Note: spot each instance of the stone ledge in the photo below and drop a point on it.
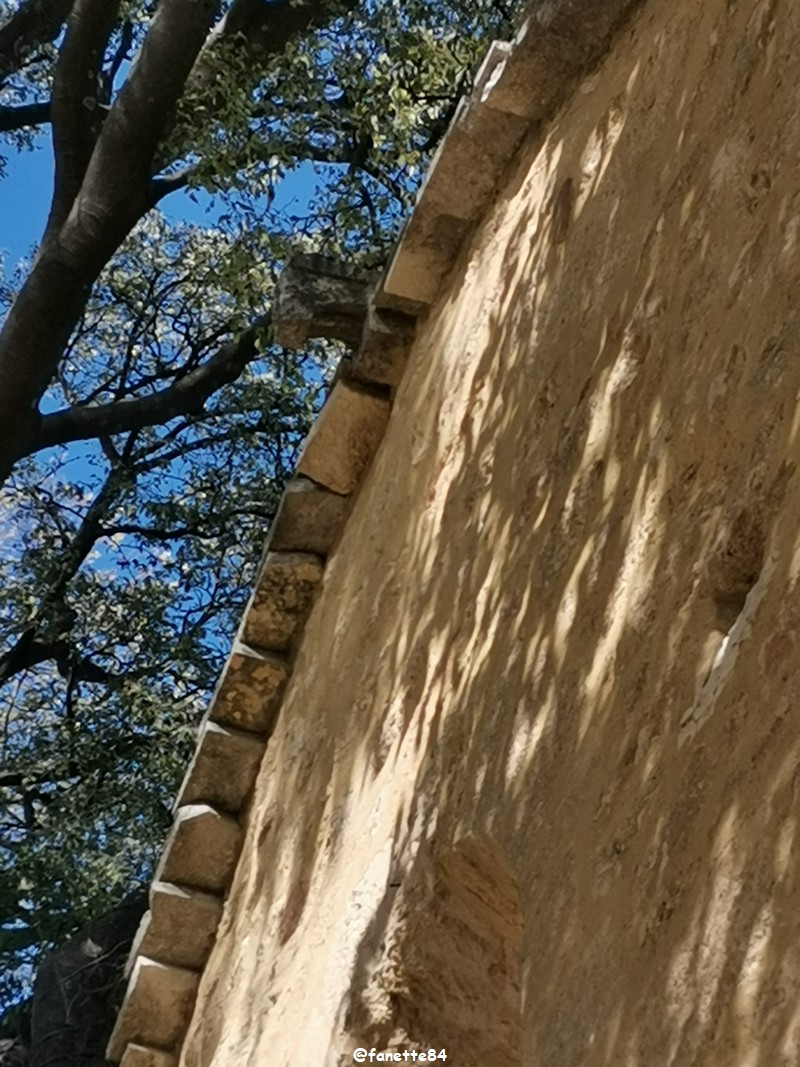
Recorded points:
(344, 438)
(223, 768)
(284, 592)
(518, 87)
(180, 927)
(249, 692)
(309, 519)
(142, 1056)
(156, 1010)
(470, 161)
(383, 353)
(556, 44)
(201, 850)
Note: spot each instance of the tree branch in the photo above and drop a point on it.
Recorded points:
(24, 115)
(259, 30)
(29, 651)
(34, 23)
(114, 195)
(75, 99)
(187, 395)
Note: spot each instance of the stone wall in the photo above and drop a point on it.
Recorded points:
(532, 793)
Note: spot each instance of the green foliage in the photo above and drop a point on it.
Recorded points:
(126, 560)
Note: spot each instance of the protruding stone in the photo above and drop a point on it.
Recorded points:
(201, 850)
(180, 926)
(558, 42)
(223, 768)
(142, 1056)
(249, 692)
(157, 1008)
(470, 161)
(282, 599)
(462, 179)
(320, 297)
(426, 252)
(309, 519)
(382, 355)
(344, 438)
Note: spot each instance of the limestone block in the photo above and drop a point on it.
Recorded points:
(223, 768)
(157, 1008)
(556, 43)
(179, 928)
(201, 850)
(461, 182)
(282, 599)
(470, 161)
(309, 519)
(427, 250)
(249, 692)
(141, 1056)
(344, 438)
(320, 297)
(382, 355)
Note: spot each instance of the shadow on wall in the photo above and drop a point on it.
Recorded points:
(450, 976)
(568, 600)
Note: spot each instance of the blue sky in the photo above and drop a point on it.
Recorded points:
(25, 197)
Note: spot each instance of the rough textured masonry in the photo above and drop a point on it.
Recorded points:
(530, 776)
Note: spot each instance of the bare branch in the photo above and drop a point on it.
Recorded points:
(187, 395)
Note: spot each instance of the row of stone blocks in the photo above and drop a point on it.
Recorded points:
(518, 88)
(177, 934)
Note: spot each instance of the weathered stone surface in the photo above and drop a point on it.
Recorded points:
(249, 692)
(518, 618)
(320, 297)
(344, 438)
(461, 182)
(557, 43)
(157, 1007)
(223, 768)
(309, 519)
(470, 161)
(282, 599)
(179, 928)
(142, 1056)
(381, 357)
(201, 850)
(497, 56)
(427, 250)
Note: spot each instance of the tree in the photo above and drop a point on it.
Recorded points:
(149, 420)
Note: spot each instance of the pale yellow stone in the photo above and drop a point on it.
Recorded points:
(249, 692)
(344, 438)
(180, 926)
(284, 592)
(223, 768)
(309, 519)
(141, 1056)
